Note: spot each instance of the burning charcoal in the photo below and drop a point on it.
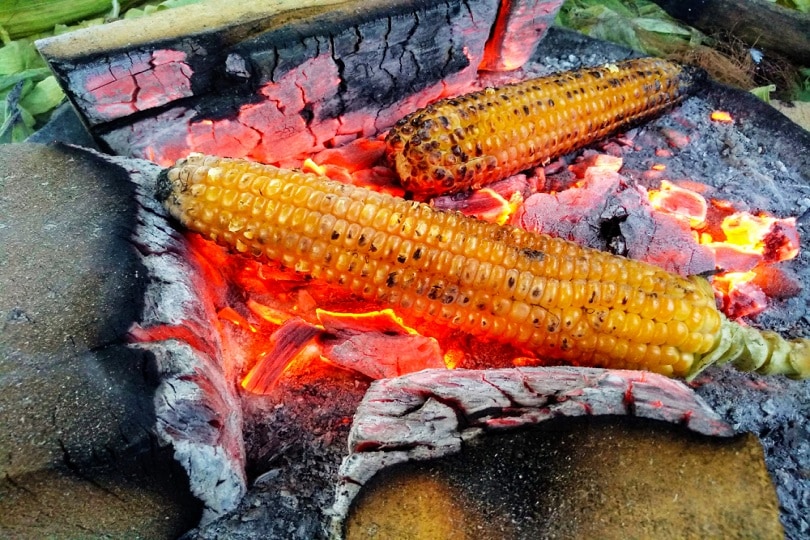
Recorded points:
(472, 140)
(289, 341)
(776, 283)
(484, 204)
(553, 297)
(665, 241)
(605, 211)
(377, 344)
(593, 159)
(577, 213)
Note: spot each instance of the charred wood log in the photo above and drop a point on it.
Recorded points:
(196, 407)
(432, 413)
(271, 80)
(759, 23)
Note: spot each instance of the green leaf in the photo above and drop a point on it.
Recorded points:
(8, 81)
(764, 92)
(661, 26)
(800, 5)
(19, 55)
(46, 95)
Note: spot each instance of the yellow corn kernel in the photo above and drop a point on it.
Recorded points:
(524, 288)
(468, 141)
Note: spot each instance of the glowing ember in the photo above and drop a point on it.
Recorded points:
(485, 204)
(721, 116)
(680, 202)
(741, 244)
(377, 344)
(229, 314)
(740, 296)
(600, 162)
(776, 239)
(291, 341)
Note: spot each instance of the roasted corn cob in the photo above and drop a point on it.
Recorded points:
(552, 296)
(466, 142)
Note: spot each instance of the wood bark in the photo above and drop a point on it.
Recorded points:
(759, 23)
(432, 413)
(271, 80)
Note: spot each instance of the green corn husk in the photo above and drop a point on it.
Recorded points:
(21, 18)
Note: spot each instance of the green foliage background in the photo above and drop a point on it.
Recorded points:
(28, 91)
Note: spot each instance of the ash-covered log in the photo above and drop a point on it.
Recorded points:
(270, 80)
(433, 413)
(196, 406)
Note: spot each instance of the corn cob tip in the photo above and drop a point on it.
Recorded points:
(163, 186)
(761, 351)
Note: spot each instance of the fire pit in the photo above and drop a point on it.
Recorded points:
(246, 398)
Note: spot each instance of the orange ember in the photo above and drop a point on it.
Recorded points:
(721, 116)
(682, 203)
(742, 243)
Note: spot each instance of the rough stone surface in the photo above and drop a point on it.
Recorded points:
(433, 413)
(76, 411)
(611, 478)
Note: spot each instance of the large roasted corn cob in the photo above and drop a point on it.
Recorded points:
(552, 296)
(468, 141)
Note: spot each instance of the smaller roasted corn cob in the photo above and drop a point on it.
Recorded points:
(551, 296)
(468, 141)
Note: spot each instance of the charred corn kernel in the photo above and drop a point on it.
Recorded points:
(529, 289)
(466, 142)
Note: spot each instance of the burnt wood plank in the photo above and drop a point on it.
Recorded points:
(267, 82)
(272, 80)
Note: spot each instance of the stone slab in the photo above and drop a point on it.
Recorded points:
(76, 413)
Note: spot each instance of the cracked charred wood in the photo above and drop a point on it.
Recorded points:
(272, 80)
(197, 410)
(433, 413)
(759, 23)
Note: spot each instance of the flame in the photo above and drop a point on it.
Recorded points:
(453, 357)
(312, 167)
(384, 320)
(271, 315)
(721, 116)
(231, 315)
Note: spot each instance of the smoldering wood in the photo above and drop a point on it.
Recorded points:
(197, 410)
(759, 23)
(278, 79)
(516, 32)
(433, 413)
